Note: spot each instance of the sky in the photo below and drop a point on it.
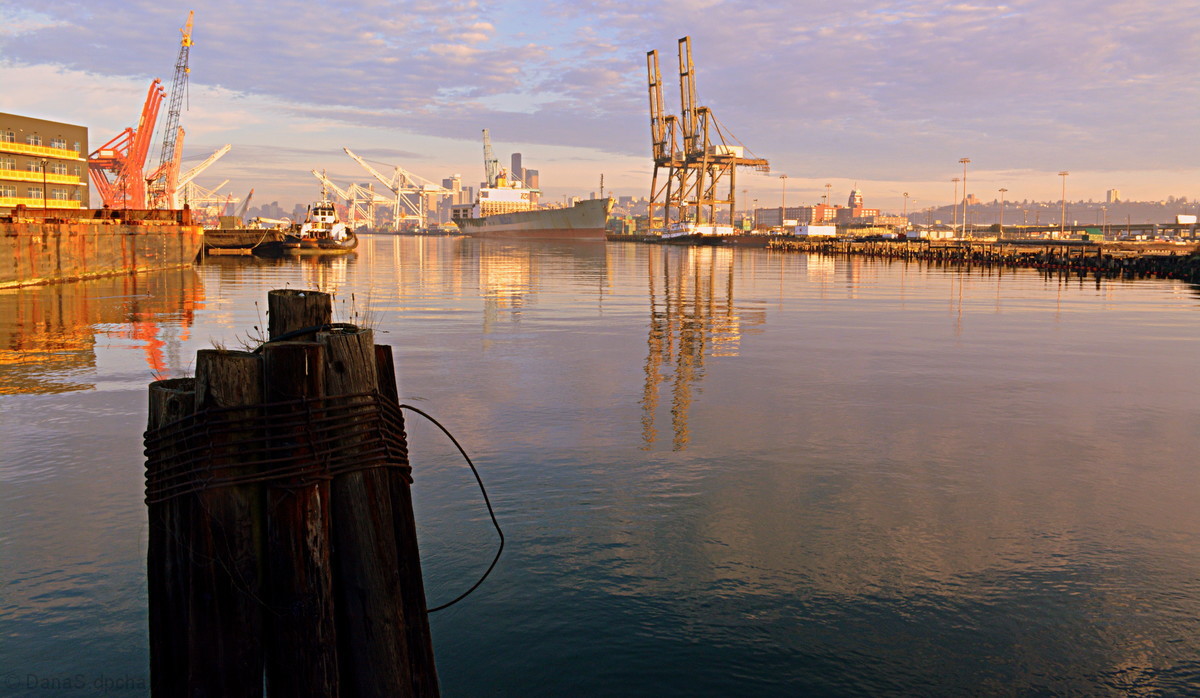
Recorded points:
(883, 95)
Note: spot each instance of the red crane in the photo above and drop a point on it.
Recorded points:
(117, 167)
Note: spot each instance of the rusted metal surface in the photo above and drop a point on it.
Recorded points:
(42, 247)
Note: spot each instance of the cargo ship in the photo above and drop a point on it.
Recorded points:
(583, 221)
(508, 208)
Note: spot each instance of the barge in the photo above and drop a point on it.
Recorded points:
(42, 246)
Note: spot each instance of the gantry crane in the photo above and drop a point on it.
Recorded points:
(689, 190)
(164, 181)
(206, 203)
(360, 201)
(117, 167)
(404, 184)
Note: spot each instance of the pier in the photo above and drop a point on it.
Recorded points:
(1107, 259)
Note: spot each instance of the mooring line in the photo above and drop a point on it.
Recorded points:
(486, 501)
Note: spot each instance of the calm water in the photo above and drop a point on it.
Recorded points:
(721, 472)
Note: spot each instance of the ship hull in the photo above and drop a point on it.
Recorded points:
(583, 221)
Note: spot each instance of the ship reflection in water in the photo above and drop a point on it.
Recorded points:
(49, 333)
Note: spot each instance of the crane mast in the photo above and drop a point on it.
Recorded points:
(491, 166)
(168, 162)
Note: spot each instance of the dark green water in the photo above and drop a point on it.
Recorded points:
(721, 472)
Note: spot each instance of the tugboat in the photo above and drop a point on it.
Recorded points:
(321, 233)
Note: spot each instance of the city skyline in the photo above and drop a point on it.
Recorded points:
(886, 98)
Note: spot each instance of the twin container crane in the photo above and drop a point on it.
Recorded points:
(686, 185)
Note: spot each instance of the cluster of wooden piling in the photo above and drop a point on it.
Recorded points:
(1097, 259)
(280, 565)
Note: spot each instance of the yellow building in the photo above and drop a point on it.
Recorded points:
(43, 164)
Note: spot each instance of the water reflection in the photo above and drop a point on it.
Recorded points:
(48, 333)
(511, 272)
(692, 315)
(326, 273)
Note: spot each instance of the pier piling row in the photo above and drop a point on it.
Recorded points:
(282, 544)
(1100, 258)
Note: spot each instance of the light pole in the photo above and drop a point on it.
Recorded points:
(828, 193)
(783, 201)
(954, 221)
(906, 210)
(1003, 191)
(964, 162)
(44, 162)
(1062, 225)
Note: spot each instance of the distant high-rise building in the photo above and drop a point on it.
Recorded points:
(531, 179)
(856, 199)
(517, 172)
(453, 184)
(1113, 196)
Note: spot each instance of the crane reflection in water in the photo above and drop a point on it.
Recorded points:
(48, 334)
(693, 316)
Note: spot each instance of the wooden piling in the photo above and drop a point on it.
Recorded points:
(267, 560)
(301, 656)
(225, 633)
(292, 309)
(168, 569)
(412, 583)
(372, 648)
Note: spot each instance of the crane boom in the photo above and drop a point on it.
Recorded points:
(389, 183)
(164, 183)
(329, 183)
(687, 96)
(658, 121)
(195, 171)
(178, 85)
(241, 212)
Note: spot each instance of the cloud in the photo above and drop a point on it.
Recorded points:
(871, 89)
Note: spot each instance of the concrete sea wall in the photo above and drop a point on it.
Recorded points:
(55, 246)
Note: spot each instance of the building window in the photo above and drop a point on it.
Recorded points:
(34, 165)
(7, 163)
(33, 139)
(60, 143)
(76, 148)
(8, 137)
(8, 191)
(75, 170)
(34, 193)
(59, 168)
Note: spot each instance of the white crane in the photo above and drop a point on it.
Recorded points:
(361, 201)
(404, 184)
